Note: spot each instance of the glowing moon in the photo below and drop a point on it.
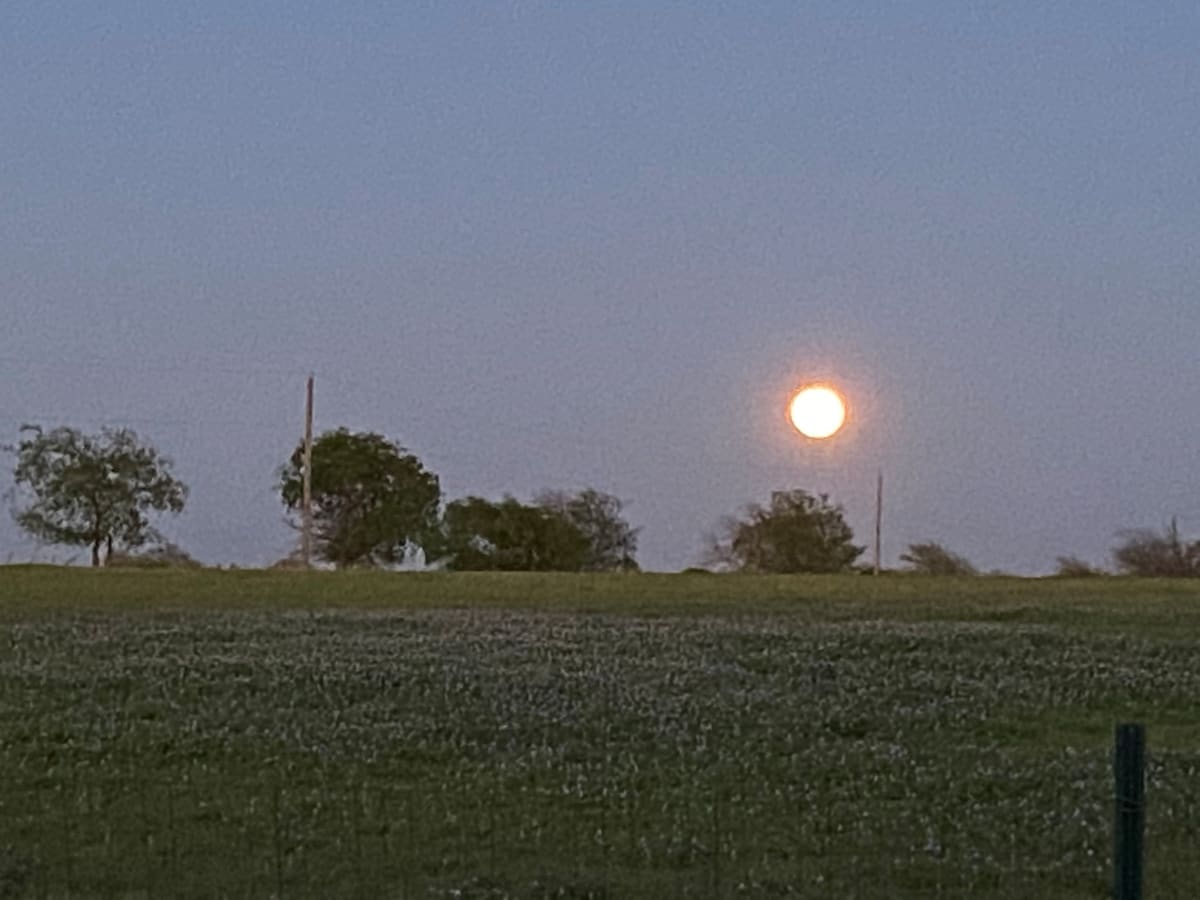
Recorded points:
(817, 412)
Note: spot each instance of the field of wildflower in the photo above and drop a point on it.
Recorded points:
(250, 734)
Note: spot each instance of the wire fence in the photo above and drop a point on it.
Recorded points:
(258, 836)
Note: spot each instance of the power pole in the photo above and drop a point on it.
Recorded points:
(306, 502)
(878, 521)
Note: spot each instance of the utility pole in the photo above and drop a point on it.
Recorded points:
(306, 502)
(878, 521)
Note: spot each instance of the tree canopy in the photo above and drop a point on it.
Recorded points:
(510, 536)
(611, 542)
(931, 558)
(95, 490)
(797, 532)
(373, 501)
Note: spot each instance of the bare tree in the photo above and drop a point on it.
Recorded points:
(1153, 554)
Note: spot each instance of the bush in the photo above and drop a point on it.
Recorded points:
(934, 559)
(1074, 567)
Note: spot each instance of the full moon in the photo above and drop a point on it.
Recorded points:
(817, 411)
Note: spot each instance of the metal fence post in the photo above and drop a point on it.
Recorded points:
(1129, 817)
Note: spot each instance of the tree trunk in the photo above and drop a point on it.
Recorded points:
(96, 552)
(108, 551)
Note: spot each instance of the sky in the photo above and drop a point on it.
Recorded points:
(549, 245)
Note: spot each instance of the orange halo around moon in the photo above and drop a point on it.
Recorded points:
(817, 411)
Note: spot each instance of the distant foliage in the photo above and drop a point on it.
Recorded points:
(798, 532)
(510, 536)
(164, 556)
(612, 543)
(1155, 554)
(374, 503)
(1073, 567)
(294, 561)
(92, 490)
(933, 559)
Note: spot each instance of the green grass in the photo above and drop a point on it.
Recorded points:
(257, 734)
(1114, 604)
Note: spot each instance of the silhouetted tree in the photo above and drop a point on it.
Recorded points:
(933, 559)
(92, 490)
(1157, 555)
(373, 501)
(612, 543)
(797, 532)
(510, 536)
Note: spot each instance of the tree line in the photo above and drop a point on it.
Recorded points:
(375, 504)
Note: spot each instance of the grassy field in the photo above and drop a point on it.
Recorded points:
(254, 734)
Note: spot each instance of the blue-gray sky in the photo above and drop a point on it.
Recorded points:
(554, 245)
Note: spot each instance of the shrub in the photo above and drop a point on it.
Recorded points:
(1074, 567)
(933, 559)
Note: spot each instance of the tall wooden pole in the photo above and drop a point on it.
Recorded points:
(306, 536)
(879, 522)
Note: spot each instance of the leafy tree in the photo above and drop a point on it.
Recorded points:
(798, 532)
(1158, 555)
(92, 490)
(510, 536)
(612, 543)
(373, 502)
(933, 559)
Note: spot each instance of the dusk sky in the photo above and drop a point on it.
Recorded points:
(564, 245)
